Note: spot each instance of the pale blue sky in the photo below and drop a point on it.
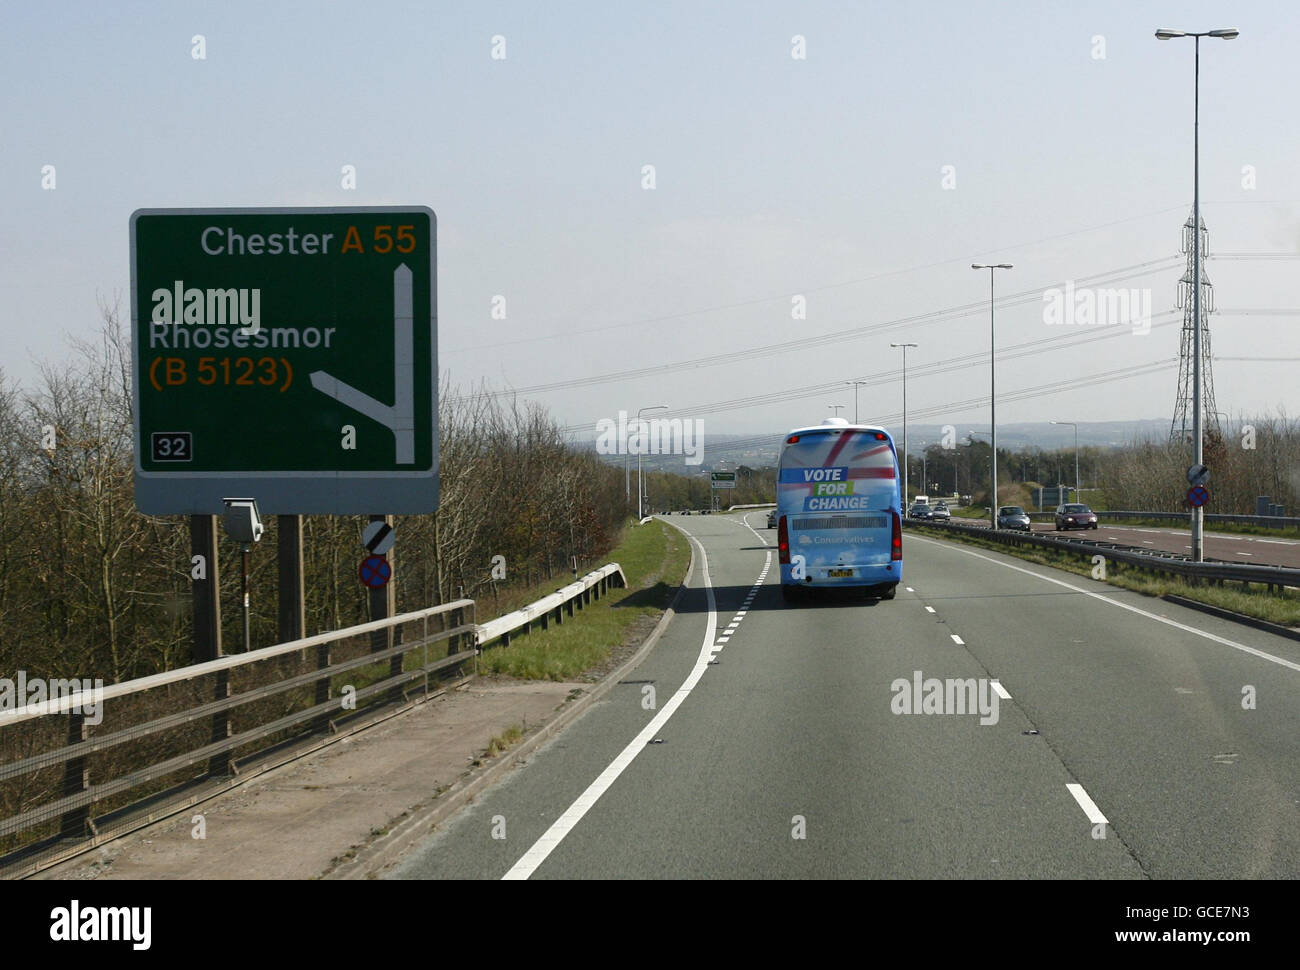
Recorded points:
(775, 176)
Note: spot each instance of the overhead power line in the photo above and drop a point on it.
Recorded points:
(1030, 348)
(854, 333)
(1023, 394)
(646, 321)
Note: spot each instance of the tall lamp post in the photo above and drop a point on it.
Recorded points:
(905, 481)
(1075, 425)
(639, 491)
(856, 385)
(835, 408)
(1228, 33)
(993, 373)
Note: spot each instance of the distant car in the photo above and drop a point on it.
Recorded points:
(1013, 517)
(940, 512)
(771, 519)
(1075, 517)
(920, 511)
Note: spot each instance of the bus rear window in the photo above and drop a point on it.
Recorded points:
(841, 522)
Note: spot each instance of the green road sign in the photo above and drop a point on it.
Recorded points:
(285, 354)
(723, 479)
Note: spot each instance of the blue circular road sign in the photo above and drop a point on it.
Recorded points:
(1198, 495)
(375, 571)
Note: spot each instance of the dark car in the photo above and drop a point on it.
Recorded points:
(1075, 517)
(771, 519)
(1012, 517)
(919, 511)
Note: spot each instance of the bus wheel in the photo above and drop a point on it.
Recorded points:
(889, 591)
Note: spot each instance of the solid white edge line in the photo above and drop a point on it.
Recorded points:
(745, 519)
(563, 825)
(1087, 804)
(1281, 661)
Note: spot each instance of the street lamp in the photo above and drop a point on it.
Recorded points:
(856, 385)
(905, 482)
(639, 493)
(993, 399)
(1074, 425)
(835, 408)
(1227, 33)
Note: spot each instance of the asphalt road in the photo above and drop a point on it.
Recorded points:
(786, 759)
(1261, 550)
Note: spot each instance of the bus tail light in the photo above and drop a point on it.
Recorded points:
(896, 543)
(783, 543)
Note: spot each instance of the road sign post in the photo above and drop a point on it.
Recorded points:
(291, 608)
(286, 354)
(378, 538)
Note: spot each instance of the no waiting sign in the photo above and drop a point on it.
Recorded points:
(375, 572)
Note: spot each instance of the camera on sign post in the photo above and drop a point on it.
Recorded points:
(241, 519)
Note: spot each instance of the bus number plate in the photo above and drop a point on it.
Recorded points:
(840, 573)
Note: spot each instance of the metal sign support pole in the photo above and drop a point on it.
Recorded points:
(243, 587)
(292, 620)
(206, 644)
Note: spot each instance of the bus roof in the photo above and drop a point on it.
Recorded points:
(838, 427)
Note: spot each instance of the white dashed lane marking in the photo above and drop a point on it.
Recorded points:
(1087, 804)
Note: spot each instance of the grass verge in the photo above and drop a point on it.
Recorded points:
(1281, 606)
(654, 558)
(506, 739)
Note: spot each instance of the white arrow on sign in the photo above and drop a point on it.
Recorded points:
(400, 417)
